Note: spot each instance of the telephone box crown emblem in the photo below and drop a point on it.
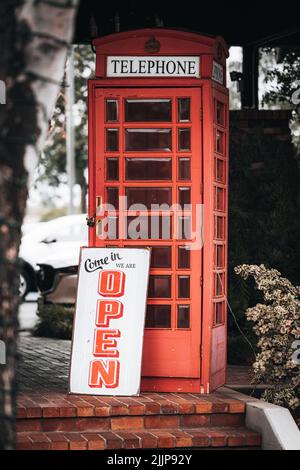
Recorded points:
(152, 45)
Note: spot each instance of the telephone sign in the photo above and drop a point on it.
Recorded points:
(152, 66)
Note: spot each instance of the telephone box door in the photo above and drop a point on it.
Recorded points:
(147, 191)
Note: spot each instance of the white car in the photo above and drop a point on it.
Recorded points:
(54, 238)
(57, 277)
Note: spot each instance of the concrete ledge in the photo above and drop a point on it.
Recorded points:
(275, 423)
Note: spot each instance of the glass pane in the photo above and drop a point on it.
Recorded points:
(159, 286)
(219, 228)
(184, 228)
(111, 110)
(184, 109)
(148, 139)
(220, 113)
(148, 168)
(112, 228)
(160, 257)
(98, 204)
(148, 110)
(99, 228)
(184, 257)
(184, 139)
(219, 199)
(219, 256)
(112, 140)
(219, 313)
(184, 287)
(158, 316)
(184, 169)
(219, 284)
(152, 227)
(220, 142)
(148, 196)
(113, 197)
(183, 316)
(220, 170)
(184, 197)
(112, 169)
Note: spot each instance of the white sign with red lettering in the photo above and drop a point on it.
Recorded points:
(109, 321)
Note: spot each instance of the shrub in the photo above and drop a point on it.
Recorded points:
(277, 326)
(55, 321)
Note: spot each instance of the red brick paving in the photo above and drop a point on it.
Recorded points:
(62, 405)
(164, 438)
(215, 421)
(48, 418)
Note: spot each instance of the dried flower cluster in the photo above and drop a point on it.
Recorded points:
(277, 324)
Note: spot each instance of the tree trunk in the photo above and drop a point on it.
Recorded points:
(34, 41)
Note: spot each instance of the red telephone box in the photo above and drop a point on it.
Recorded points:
(158, 177)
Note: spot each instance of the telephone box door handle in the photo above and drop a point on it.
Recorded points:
(90, 221)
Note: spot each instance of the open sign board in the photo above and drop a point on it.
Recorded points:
(109, 321)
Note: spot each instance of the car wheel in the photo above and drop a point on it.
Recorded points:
(24, 285)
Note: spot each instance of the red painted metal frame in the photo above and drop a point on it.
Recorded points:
(162, 347)
(212, 346)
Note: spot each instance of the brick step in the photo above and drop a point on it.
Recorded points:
(61, 405)
(200, 437)
(121, 423)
